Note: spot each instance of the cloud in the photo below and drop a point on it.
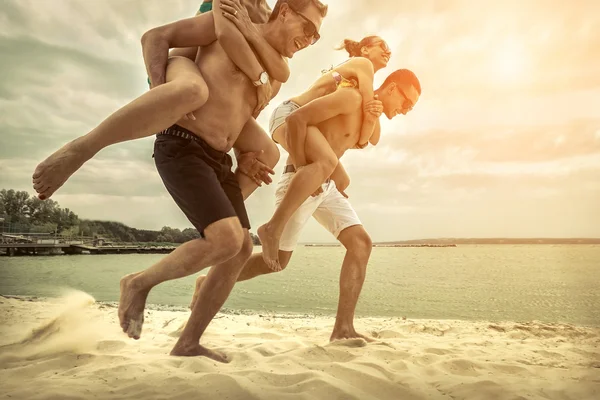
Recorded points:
(504, 140)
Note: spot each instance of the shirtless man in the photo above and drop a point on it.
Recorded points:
(157, 109)
(339, 117)
(192, 160)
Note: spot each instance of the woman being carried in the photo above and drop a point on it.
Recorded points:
(313, 169)
(178, 89)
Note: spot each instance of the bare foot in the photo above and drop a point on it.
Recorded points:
(199, 281)
(349, 333)
(131, 306)
(270, 246)
(54, 171)
(195, 350)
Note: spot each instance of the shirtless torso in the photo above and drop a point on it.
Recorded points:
(230, 104)
(342, 131)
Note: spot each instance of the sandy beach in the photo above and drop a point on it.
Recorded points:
(72, 348)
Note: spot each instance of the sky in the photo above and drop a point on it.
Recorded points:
(505, 140)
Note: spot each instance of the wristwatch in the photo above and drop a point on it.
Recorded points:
(262, 79)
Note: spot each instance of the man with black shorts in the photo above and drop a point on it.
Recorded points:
(192, 160)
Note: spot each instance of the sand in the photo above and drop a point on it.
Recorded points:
(72, 348)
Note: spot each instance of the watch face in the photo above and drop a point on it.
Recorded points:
(264, 77)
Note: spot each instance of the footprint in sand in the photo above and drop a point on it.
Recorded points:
(111, 345)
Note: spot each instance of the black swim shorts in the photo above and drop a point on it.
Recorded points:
(199, 178)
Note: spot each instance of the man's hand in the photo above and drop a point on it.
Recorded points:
(250, 166)
(263, 96)
(373, 108)
(317, 192)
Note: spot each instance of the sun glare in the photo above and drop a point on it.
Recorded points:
(510, 61)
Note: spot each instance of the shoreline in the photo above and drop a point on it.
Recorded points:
(300, 315)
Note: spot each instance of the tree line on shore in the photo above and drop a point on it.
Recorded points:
(22, 213)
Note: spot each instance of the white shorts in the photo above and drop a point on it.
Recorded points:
(330, 209)
(279, 115)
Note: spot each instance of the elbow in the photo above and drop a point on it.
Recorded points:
(224, 33)
(151, 36)
(283, 76)
(343, 184)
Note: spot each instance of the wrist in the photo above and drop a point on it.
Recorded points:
(252, 36)
(263, 79)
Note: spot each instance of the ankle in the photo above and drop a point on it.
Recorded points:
(343, 327)
(273, 227)
(86, 146)
(139, 284)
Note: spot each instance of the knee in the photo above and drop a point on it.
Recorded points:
(246, 247)
(361, 245)
(328, 164)
(228, 237)
(271, 154)
(284, 258)
(193, 92)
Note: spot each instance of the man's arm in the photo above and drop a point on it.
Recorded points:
(362, 68)
(191, 32)
(376, 133)
(340, 102)
(187, 52)
(234, 31)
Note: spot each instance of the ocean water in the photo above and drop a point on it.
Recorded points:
(549, 283)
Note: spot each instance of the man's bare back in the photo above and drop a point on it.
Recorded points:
(230, 103)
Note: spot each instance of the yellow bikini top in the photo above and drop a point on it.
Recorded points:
(340, 81)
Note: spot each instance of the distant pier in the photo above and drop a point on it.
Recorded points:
(48, 244)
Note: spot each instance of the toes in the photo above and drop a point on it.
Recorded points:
(40, 186)
(37, 173)
(134, 330)
(45, 194)
(274, 265)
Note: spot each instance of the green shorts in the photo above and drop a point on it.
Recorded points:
(205, 7)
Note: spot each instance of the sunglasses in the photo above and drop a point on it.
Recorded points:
(384, 46)
(310, 29)
(408, 104)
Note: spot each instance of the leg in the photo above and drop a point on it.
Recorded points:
(255, 266)
(223, 239)
(335, 213)
(219, 215)
(253, 139)
(322, 163)
(215, 290)
(358, 250)
(157, 109)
